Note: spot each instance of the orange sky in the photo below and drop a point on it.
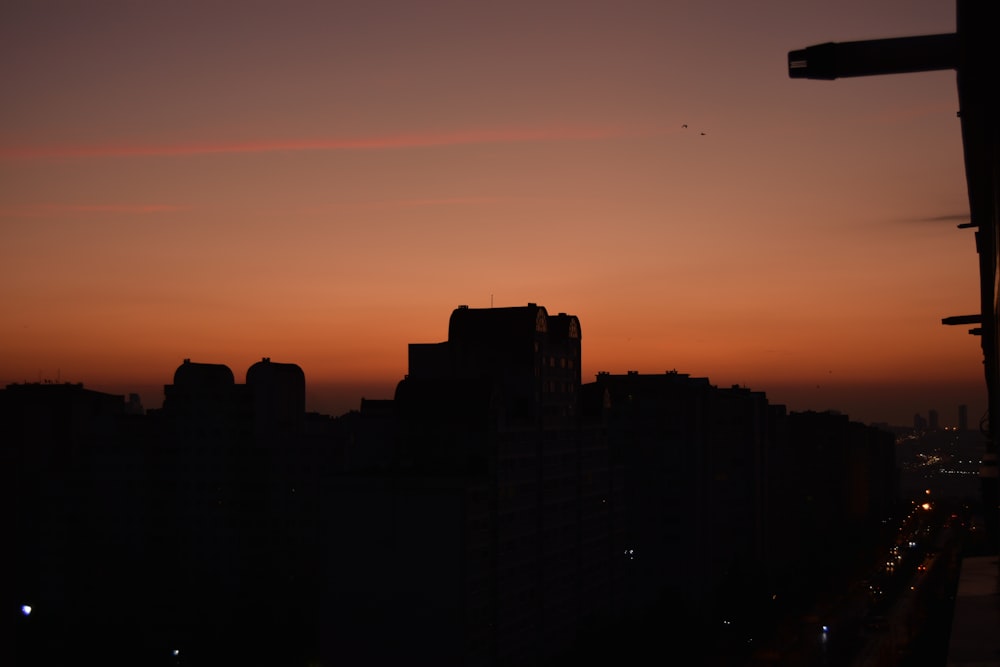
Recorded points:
(322, 183)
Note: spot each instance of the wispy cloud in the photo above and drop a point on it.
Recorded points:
(427, 202)
(380, 142)
(48, 210)
(430, 202)
(950, 217)
(440, 201)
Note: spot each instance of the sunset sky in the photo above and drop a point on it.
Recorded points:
(322, 183)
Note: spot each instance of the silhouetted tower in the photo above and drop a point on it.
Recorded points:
(932, 420)
(972, 51)
(496, 415)
(534, 357)
(200, 467)
(963, 418)
(279, 398)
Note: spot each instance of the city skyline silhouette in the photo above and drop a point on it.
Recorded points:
(949, 416)
(498, 509)
(238, 431)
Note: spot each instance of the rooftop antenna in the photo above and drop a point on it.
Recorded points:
(491, 300)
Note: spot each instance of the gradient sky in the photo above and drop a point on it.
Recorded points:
(323, 182)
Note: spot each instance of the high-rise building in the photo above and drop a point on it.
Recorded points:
(693, 457)
(76, 530)
(278, 393)
(499, 514)
(224, 470)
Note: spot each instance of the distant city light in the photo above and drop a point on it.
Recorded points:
(26, 609)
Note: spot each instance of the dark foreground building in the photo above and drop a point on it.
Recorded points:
(493, 534)
(75, 516)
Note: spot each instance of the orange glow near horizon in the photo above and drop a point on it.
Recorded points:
(324, 186)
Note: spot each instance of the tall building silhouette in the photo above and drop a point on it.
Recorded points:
(75, 513)
(278, 393)
(223, 463)
(496, 526)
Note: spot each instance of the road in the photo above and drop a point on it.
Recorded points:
(865, 632)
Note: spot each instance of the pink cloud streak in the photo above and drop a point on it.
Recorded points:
(485, 136)
(46, 210)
